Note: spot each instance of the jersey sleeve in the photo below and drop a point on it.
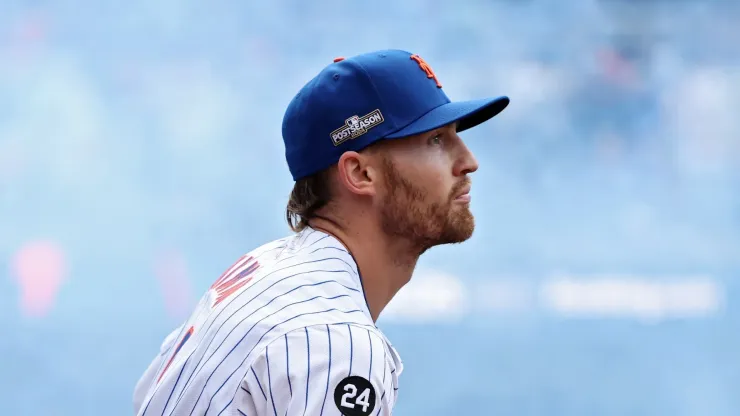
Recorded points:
(146, 379)
(329, 370)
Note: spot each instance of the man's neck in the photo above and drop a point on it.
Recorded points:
(385, 264)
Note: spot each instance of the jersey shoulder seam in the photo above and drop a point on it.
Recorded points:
(371, 329)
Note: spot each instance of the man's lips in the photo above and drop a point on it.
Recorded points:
(464, 194)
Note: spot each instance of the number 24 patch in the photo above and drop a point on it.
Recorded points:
(355, 396)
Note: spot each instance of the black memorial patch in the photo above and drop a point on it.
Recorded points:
(355, 396)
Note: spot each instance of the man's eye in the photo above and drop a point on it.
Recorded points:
(437, 139)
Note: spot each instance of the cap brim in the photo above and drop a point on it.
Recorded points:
(467, 113)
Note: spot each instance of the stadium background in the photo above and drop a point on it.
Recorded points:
(140, 154)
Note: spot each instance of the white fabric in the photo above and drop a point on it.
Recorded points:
(259, 341)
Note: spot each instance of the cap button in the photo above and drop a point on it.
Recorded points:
(339, 59)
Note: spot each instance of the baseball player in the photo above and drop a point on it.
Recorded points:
(381, 176)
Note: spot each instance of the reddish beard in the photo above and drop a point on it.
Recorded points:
(407, 214)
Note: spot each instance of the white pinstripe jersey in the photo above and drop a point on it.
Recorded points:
(284, 331)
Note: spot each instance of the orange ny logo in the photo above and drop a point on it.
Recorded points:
(426, 68)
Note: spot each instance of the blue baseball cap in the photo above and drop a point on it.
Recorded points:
(358, 101)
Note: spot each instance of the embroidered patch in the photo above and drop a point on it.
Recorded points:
(356, 126)
(355, 396)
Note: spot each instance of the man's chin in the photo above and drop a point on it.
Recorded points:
(463, 235)
(460, 230)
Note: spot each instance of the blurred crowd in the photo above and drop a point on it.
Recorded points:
(124, 128)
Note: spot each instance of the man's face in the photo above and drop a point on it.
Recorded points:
(425, 197)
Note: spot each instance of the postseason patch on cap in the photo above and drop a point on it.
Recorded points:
(356, 126)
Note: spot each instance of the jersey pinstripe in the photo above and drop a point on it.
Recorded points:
(276, 334)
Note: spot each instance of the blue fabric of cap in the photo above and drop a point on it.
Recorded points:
(354, 102)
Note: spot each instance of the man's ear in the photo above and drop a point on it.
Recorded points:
(356, 173)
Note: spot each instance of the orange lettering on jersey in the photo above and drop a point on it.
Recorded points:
(227, 273)
(234, 279)
(426, 68)
(177, 349)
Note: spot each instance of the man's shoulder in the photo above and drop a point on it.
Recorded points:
(308, 278)
(309, 249)
(360, 337)
(309, 261)
(313, 247)
(299, 282)
(353, 348)
(322, 366)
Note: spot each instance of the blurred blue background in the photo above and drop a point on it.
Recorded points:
(140, 155)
